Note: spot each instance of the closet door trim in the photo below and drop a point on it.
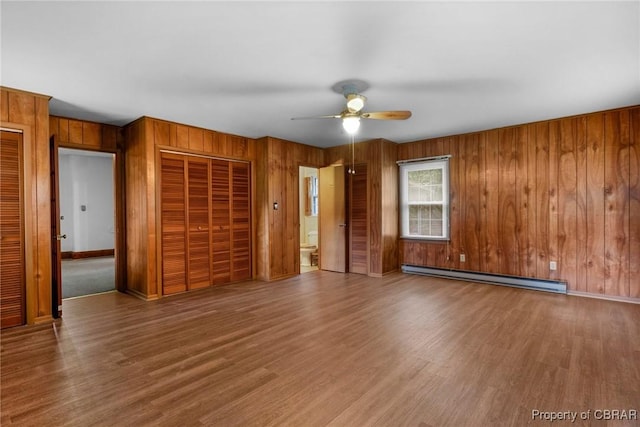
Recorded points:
(204, 156)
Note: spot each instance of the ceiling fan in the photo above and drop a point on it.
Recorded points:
(353, 112)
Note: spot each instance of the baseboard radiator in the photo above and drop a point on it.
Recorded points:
(556, 286)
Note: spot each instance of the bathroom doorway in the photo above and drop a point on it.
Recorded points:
(309, 203)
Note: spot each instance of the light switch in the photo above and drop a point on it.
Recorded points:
(83, 208)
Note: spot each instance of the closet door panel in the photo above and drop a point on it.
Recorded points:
(12, 279)
(358, 222)
(198, 220)
(174, 220)
(241, 221)
(220, 221)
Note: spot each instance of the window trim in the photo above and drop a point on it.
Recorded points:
(441, 162)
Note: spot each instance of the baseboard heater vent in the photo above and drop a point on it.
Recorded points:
(556, 286)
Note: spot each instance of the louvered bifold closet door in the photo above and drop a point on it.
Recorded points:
(12, 287)
(241, 217)
(221, 221)
(199, 205)
(174, 220)
(358, 221)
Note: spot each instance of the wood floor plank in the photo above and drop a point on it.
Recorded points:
(323, 349)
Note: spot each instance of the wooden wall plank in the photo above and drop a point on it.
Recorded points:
(91, 134)
(473, 235)
(196, 139)
(539, 135)
(581, 205)
(43, 191)
(137, 223)
(162, 133)
(4, 106)
(616, 137)
(634, 203)
(182, 137)
(22, 107)
(449, 255)
(532, 212)
(63, 129)
(507, 208)
(564, 137)
(554, 130)
(491, 191)
(389, 209)
(523, 262)
(595, 205)
(110, 137)
(374, 156)
(75, 132)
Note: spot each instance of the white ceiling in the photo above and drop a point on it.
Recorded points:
(247, 67)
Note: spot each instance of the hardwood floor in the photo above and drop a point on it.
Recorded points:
(325, 349)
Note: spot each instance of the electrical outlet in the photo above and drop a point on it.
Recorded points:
(462, 258)
(553, 266)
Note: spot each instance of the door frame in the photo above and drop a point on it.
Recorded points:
(56, 246)
(120, 250)
(298, 214)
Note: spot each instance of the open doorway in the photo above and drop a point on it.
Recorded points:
(309, 204)
(87, 221)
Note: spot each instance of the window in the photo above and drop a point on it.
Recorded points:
(424, 199)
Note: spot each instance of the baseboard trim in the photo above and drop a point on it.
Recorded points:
(556, 286)
(629, 300)
(88, 254)
(141, 296)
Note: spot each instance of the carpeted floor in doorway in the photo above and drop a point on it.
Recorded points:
(88, 276)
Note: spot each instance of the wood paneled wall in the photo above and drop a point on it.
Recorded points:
(144, 139)
(380, 157)
(86, 135)
(565, 190)
(278, 235)
(29, 113)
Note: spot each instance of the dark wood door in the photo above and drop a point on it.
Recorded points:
(56, 236)
(12, 261)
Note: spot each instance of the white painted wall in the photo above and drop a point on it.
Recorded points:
(66, 202)
(87, 180)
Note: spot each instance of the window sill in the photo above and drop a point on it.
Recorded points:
(427, 239)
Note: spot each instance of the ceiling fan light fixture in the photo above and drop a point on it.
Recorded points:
(355, 102)
(351, 124)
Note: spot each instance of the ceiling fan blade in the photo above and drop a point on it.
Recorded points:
(387, 115)
(333, 116)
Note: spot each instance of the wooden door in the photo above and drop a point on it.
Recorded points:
(220, 221)
(12, 261)
(56, 236)
(332, 219)
(198, 252)
(173, 223)
(241, 221)
(358, 221)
